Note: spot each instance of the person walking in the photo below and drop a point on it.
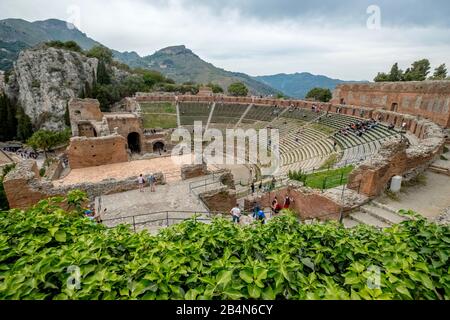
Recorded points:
(152, 182)
(253, 187)
(256, 209)
(141, 182)
(236, 214)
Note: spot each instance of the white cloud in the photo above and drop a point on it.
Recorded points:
(238, 42)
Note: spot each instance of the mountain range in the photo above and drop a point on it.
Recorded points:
(176, 62)
(297, 85)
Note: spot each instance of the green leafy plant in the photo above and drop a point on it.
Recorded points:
(44, 252)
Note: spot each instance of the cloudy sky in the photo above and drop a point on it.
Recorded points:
(350, 40)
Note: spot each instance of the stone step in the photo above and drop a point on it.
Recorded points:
(350, 223)
(439, 170)
(383, 215)
(365, 218)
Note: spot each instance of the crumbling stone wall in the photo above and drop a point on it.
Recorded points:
(220, 201)
(83, 109)
(308, 203)
(24, 187)
(429, 99)
(397, 158)
(192, 171)
(90, 152)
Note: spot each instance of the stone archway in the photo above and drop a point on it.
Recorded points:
(134, 142)
(158, 147)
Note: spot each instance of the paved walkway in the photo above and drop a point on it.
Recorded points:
(168, 165)
(429, 200)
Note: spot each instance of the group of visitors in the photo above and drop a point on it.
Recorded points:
(150, 131)
(151, 179)
(359, 127)
(24, 154)
(257, 213)
(276, 206)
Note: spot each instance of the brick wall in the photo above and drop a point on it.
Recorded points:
(89, 152)
(429, 99)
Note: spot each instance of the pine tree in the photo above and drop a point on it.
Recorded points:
(396, 74)
(24, 126)
(103, 76)
(440, 73)
(67, 116)
(3, 117)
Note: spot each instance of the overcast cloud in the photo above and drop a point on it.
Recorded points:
(264, 37)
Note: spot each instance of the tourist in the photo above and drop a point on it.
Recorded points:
(261, 216)
(334, 145)
(141, 182)
(260, 186)
(256, 209)
(89, 214)
(273, 183)
(287, 201)
(252, 186)
(274, 205)
(236, 214)
(152, 182)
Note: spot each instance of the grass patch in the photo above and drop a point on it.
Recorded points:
(444, 158)
(166, 107)
(163, 121)
(325, 179)
(446, 149)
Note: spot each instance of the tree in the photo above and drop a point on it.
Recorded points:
(68, 45)
(103, 76)
(396, 74)
(47, 140)
(381, 77)
(101, 53)
(24, 126)
(418, 71)
(8, 121)
(215, 88)
(440, 73)
(319, 94)
(67, 116)
(238, 89)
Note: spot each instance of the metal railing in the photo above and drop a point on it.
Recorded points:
(166, 219)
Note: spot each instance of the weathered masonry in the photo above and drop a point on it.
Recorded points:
(428, 99)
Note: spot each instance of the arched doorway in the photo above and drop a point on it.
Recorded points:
(158, 147)
(134, 142)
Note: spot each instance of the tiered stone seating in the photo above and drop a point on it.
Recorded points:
(302, 114)
(190, 112)
(262, 113)
(228, 113)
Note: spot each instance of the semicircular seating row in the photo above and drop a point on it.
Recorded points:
(302, 146)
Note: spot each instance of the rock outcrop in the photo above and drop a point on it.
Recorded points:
(44, 80)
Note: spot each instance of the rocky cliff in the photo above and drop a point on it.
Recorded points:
(44, 79)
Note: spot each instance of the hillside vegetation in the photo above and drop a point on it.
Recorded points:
(48, 253)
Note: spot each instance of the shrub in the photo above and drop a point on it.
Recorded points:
(43, 247)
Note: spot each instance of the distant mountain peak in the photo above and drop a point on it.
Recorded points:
(176, 50)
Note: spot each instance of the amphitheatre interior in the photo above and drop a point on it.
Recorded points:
(108, 151)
